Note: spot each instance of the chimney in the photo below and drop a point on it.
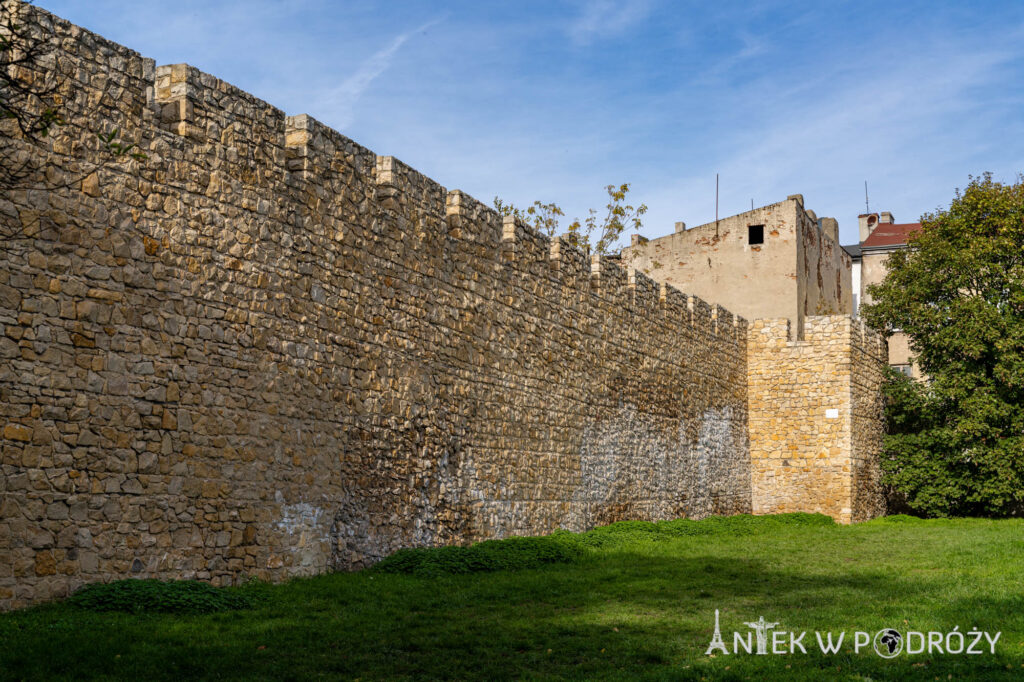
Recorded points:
(886, 217)
(798, 198)
(680, 227)
(830, 227)
(867, 222)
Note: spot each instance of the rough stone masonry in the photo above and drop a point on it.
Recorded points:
(264, 350)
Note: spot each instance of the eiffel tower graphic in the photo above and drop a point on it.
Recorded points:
(716, 640)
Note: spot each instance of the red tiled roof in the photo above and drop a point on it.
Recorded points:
(889, 234)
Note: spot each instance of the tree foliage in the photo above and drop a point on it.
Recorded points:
(540, 216)
(597, 232)
(956, 442)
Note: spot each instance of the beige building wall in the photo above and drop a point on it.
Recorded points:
(798, 270)
(873, 271)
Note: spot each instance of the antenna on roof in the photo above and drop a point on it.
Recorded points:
(716, 204)
(751, 203)
(867, 207)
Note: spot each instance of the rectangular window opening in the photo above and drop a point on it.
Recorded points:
(908, 370)
(755, 234)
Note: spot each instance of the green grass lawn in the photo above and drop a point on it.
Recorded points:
(637, 603)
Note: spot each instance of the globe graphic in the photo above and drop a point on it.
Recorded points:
(888, 643)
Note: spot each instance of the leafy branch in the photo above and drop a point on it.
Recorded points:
(112, 144)
(32, 109)
(592, 233)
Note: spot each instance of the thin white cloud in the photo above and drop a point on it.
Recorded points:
(341, 101)
(606, 18)
(752, 46)
(900, 125)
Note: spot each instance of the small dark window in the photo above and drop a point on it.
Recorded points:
(755, 234)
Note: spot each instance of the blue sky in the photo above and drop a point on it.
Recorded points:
(554, 100)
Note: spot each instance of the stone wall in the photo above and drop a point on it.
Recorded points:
(815, 417)
(867, 361)
(264, 350)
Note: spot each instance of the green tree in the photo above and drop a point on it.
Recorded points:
(956, 442)
(596, 232)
